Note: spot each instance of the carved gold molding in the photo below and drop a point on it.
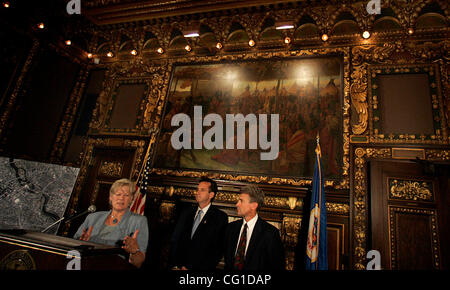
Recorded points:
(433, 154)
(111, 169)
(157, 190)
(290, 230)
(291, 202)
(167, 210)
(359, 202)
(337, 208)
(406, 189)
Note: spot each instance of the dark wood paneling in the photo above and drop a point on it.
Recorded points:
(406, 227)
(413, 244)
(336, 245)
(14, 49)
(406, 104)
(40, 110)
(93, 89)
(126, 106)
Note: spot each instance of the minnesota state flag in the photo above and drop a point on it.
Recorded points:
(316, 245)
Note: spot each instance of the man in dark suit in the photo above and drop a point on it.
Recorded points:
(197, 240)
(252, 244)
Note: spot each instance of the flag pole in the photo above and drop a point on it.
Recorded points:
(318, 155)
(144, 163)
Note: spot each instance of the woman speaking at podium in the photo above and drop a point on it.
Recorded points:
(119, 226)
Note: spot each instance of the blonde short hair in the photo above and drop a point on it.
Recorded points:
(123, 182)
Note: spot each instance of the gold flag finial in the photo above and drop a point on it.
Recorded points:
(318, 151)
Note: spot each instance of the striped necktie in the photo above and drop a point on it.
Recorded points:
(197, 220)
(240, 254)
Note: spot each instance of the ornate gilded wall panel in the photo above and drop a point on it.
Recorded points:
(397, 57)
(289, 232)
(406, 189)
(377, 134)
(150, 108)
(110, 169)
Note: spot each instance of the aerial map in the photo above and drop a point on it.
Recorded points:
(33, 195)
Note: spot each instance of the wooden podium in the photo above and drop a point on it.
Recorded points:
(27, 250)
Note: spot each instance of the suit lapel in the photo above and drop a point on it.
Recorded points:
(189, 221)
(204, 221)
(234, 239)
(254, 239)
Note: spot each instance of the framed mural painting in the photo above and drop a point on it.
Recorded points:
(305, 94)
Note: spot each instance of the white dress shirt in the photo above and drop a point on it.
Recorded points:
(250, 226)
(204, 210)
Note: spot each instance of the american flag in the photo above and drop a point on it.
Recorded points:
(138, 204)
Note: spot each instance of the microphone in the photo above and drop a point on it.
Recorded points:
(90, 209)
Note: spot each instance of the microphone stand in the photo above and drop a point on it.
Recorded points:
(47, 228)
(91, 209)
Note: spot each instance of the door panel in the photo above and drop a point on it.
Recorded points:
(404, 215)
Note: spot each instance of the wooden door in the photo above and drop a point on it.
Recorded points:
(407, 214)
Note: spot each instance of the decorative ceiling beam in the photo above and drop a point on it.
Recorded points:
(146, 10)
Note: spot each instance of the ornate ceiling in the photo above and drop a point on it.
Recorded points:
(149, 26)
(117, 11)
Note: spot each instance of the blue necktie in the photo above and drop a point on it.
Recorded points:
(196, 222)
